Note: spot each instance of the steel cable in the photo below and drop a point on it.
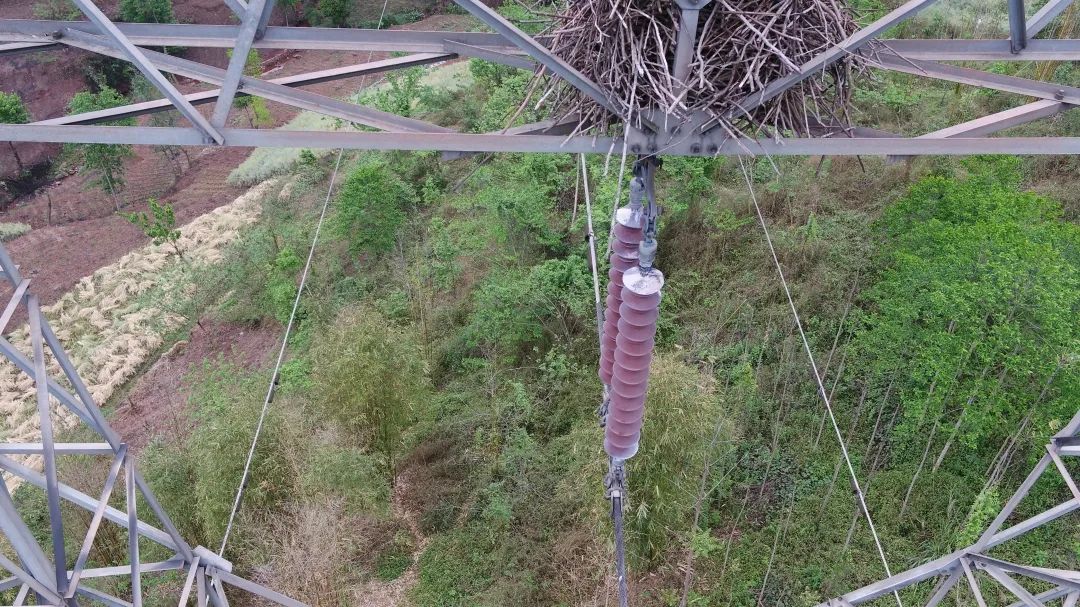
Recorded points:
(817, 377)
(280, 358)
(288, 330)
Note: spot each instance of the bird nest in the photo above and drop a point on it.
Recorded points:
(627, 47)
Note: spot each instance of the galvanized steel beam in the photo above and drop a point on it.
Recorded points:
(274, 92)
(137, 57)
(237, 62)
(276, 37)
(467, 142)
(1017, 26)
(337, 73)
(1045, 16)
(538, 52)
(822, 61)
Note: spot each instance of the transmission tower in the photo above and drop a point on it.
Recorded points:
(45, 574)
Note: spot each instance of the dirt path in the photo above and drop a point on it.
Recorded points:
(376, 593)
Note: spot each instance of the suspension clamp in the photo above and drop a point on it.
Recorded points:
(615, 480)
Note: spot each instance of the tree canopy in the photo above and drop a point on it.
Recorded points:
(976, 308)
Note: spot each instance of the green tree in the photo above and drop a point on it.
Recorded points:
(257, 112)
(370, 378)
(106, 160)
(147, 11)
(974, 311)
(371, 207)
(13, 111)
(330, 13)
(159, 224)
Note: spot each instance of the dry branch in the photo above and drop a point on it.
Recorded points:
(628, 48)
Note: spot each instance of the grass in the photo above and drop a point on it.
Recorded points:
(12, 230)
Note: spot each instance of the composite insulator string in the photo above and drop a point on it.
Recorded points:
(817, 377)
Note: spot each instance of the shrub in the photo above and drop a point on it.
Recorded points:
(227, 403)
(147, 11)
(11, 230)
(13, 111)
(370, 379)
(106, 160)
(371, 207)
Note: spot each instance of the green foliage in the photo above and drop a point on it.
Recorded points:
(147, 11)
(370, 379)
(11, 230)
(329, 13)
(171, 473)
(349, 473)
(106, 160)
(403, 90)
(56, 10)
(159, 224)
(282, 285)
(227, 403)
(456, 568)
(976, 307)
(371, 207)
(103, 72)
(675, 444)
(12, 109)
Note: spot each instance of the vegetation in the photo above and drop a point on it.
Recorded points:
(159, 225)
(441, 380)
(13, 111)
(104, 160)
(61, 10)
(12, 230)
(257, 112)
(146, 11)
(943, 290)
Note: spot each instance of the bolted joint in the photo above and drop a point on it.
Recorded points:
(637, 194)
(615, 480)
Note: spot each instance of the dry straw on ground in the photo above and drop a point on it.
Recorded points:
(114, 319)
(627, 47)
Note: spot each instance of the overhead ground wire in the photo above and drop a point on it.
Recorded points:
(288, 330)
(817, 378)
(280, 358)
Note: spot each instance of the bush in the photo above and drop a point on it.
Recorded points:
(370, 379)
(11, 230)
(147, 11)
(227, 403)
(371, 207)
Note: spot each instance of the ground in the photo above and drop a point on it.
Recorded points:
(157, 403)
(76, 229)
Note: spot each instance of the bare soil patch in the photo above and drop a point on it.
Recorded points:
(157, 405)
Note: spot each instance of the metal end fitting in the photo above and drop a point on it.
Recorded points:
(615, 479)
(647, 253)
(637, 194)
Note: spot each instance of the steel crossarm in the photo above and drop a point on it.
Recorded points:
(138, 57)
(337, 73)
(822, 61)
(36, 31)
(230, 83)
(538, 52)
(274, 92)
(964, 75)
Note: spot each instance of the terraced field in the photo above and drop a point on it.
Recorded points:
(116, 318)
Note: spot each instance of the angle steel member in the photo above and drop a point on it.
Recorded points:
(633, 355)
(629, 230)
